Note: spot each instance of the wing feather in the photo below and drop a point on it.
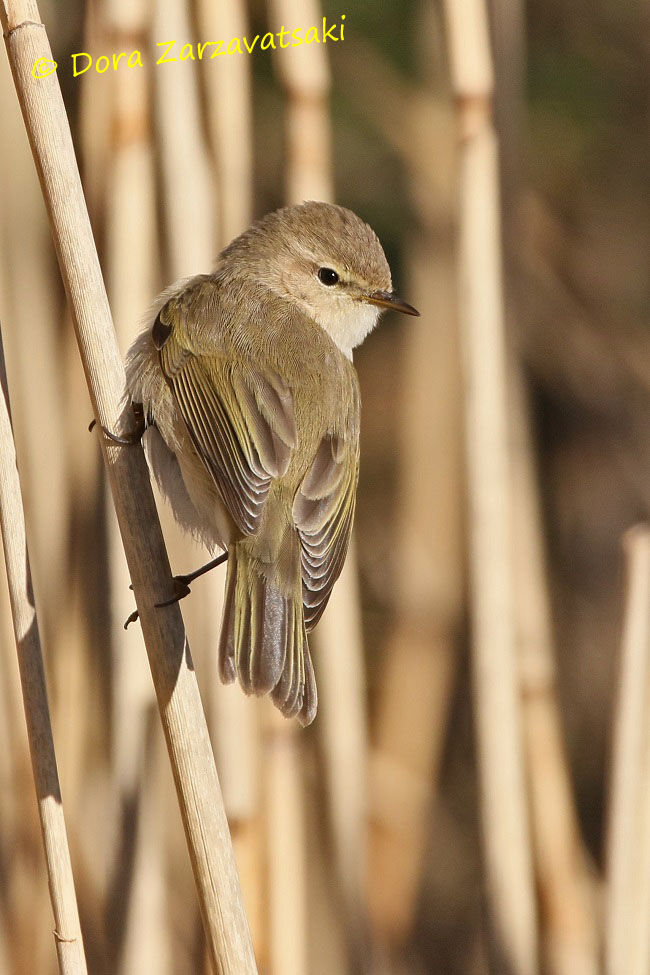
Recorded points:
(242, 425)
(323, 511)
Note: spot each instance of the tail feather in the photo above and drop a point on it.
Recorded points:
(264, 642)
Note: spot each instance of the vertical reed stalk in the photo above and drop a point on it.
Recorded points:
(67, 934)
(32, 305)
(19, 826)
(304, 73)
(188, 221)
(627, 942)
(128, 193)
(148, 939)
(419, 663)
(229, 109)
(192, 242)
(286, 849)
(187, 178)
(235, 729)
(568, 933)
(169, 656)
(343, 731)
(568, 923)
(496, 690)
(305, 76)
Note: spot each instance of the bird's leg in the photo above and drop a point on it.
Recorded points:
(181, 586)
(182, 583)
(131, 439)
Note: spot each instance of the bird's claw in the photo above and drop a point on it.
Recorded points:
(131, 439)
(131, 619)
(181, 590)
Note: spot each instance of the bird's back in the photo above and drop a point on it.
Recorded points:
(261, 410)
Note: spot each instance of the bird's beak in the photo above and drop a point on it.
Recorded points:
(386, 299)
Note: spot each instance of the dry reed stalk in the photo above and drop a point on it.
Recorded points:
(81, 717)
(568, 932)
(12, 730)
(188, 227)
(187, 181)
(95, 106)
(67, 934)
(496, 692)
(129, 207)
(147, 944)
(191, 245)
(29, 291)
(14, 757)
(178, 698)
(627, 935)
(329, 950)
(31, 305)
(235, 728)
(305, 77)
(129, 186)
(567, 900)
(75, 699)
(304, 73)
(420, 658)
(229, 111)
(286, 848)
(343, 731)
(403, 772)
(421, 655)
(132, 278)
(26, 911)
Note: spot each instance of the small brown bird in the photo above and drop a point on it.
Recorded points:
(246, 376)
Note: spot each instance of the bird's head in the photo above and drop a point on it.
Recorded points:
(326, 260)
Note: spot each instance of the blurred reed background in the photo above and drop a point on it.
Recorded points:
(473, 796)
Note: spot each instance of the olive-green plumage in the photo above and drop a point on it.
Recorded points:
(246, 374)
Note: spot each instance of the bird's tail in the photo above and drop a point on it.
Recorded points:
(263, 640)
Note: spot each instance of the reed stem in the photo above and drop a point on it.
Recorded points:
(67, 934)
(179, 702)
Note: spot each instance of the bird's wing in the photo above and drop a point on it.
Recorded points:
(242, 423)
(323, 512)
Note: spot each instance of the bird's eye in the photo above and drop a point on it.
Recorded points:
(327, 275)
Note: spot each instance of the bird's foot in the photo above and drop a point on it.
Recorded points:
(181, 586)
(181, 590)
(131, 439)
(182, 583)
